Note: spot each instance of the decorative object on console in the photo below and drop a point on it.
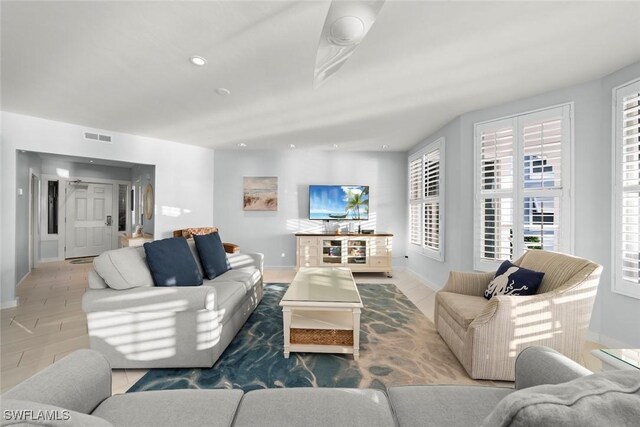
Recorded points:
(260, 193)
(129, 240)
(171, 263)
(513, 280)
(331, 226)
(367, 231)
(212, 254)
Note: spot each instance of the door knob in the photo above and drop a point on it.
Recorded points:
(108, 220)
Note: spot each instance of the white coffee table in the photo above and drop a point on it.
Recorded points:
(321, 312)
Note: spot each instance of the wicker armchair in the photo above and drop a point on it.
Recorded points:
(487, 335)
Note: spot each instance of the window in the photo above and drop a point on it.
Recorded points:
(627, 189)
(122, 207)
(523, 166)
(52, 207)
(426, 200)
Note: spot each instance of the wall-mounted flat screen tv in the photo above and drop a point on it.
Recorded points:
(339, 202)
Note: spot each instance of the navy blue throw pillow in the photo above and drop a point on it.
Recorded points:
(212, 254)
(513, 280)
(171, 263)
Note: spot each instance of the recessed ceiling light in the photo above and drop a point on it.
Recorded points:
(242, 145)
(336, 146)
(23, 151)
(292, 145)
(90, 161)
(385, 146)
(198, 60)
(223, 91)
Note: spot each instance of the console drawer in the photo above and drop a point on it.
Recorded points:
(379, 261)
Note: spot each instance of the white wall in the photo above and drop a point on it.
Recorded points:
(436, 272)
(184, 177)
(272, 232)
(616, 318)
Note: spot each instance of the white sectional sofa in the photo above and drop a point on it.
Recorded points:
(137, 325)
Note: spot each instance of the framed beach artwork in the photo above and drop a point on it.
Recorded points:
(260, 193)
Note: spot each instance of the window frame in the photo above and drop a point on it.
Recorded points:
(618, 284)
(518, 192)
(438, 255)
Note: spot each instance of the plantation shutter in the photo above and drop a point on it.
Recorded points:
(542, 156)
(496, 190)
(415, 199)
(522, 192)
(627, 245)
(425, 200)
(431, 208)
(415, 215)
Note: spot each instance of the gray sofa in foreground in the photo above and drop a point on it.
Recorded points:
(137, 325)
(550, 389)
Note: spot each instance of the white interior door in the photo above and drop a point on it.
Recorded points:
(89, 219)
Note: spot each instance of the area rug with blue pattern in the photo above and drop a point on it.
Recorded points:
(398, 345)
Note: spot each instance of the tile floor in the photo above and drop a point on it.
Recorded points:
(49, 323)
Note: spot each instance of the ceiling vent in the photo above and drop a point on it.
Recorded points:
(95, 136)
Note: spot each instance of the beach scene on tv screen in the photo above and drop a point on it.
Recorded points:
(338, 202)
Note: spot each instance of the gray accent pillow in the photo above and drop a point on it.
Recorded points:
(123, 268)
(608, 398)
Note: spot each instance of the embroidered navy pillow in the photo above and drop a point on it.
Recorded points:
(513, 280)
(212, 254)
(172, 263)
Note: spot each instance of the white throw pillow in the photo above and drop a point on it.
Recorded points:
(123, 268)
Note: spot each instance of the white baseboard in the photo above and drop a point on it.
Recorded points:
(280, 267)
(8, 304)
(47, 260)
(605, 340)
(423, 279)
(23, 279)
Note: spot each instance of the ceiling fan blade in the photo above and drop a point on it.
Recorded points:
(347, 23)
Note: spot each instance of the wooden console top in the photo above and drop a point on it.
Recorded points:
(345, 234)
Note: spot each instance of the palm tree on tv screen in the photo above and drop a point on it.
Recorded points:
(356, 199)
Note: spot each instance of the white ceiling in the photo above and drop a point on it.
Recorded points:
(123, 66)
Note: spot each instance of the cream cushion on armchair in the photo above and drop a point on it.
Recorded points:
(487, 335)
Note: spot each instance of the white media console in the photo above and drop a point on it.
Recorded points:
(360, 252)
